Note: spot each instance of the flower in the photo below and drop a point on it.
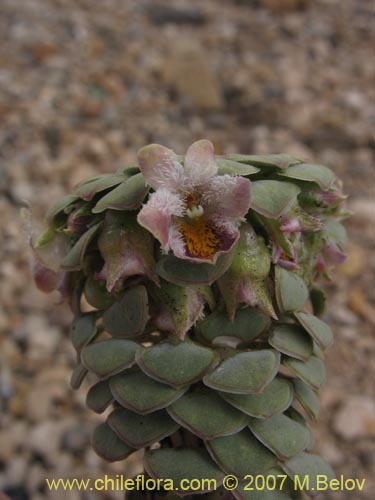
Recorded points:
(287, 237)
(331, 255)
(282, 259)
(194, 212)
(334, 248)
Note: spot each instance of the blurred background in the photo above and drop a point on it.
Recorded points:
(83, 85)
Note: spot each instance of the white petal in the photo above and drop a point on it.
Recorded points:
(160, 167)
(200, 162)
(157, 213)
(227, 197)
(228, 225)
(176, 242)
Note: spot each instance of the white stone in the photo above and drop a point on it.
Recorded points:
(45, 438)
(16, 471)
(356, 418)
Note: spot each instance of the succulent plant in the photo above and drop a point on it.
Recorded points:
(196, 313)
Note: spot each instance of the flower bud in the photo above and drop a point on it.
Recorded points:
(284, 260)
(127, 250)
(78, 220)
(246, 281)
(178, 308)
(297, 220)
(47, 253)
(46, 279)
(333, 251)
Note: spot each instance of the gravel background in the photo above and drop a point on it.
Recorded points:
(83, 85)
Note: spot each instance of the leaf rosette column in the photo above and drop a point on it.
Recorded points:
(193, 282)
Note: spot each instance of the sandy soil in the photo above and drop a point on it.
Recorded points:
(83, 85)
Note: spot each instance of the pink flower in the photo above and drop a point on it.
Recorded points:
(331, 255)
(45, 264)
(282, 259)
(194, 212)
(333, 197)
(46, 279)
(77, 223)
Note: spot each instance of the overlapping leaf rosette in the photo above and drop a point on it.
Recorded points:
(191, 279)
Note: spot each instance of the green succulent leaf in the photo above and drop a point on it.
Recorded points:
(308, 465)
(310, 172)
(83, 330)
(73, 260)
(139, 431)
(184, 273)
(96, 293)
(318, 300)
(176, 364)
(129, 195)
(248, 324)
(128, 170)
(108, 446)
(245, 372)
(241, 454)
(318, 329)
(299, 418)
(318, 352)
(311, 371)
(282, 435)
(291, 340)
(90, 187)
(273, 198)
(183, 464)
(109, 357)
(274, 399)
(142, 394)
(291, 290)
(307, 398)
(276, 487)
(78, 375)
(312, 442)
(99, 397)
(274, 161)
(62, 206)
(232, 167)
(127, 318)
(206, 415)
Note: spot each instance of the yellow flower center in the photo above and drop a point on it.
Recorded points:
(201, 238)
